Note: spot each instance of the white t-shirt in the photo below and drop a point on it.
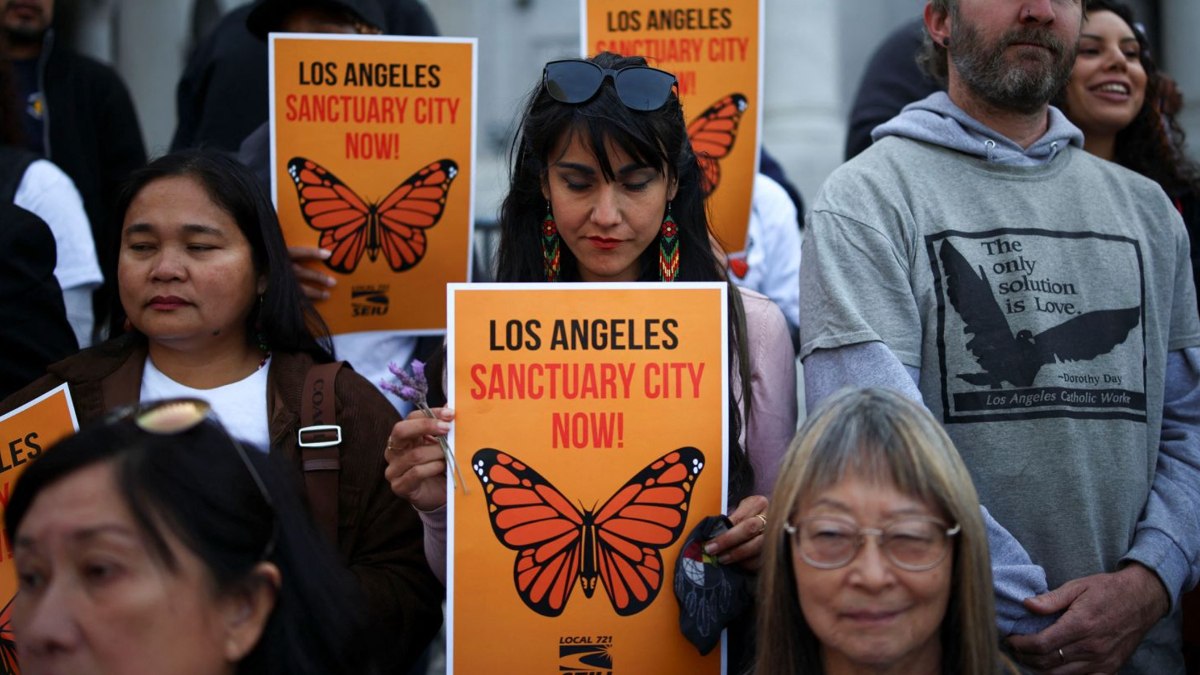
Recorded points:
(240, 406)
(46, 191)
(370, 352)
(771, 262)
(49, 193)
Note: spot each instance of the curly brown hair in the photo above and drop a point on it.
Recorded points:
(1153, 143)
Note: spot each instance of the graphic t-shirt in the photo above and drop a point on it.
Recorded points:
(1038, 303)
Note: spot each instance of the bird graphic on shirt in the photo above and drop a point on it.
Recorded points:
(1016, 359)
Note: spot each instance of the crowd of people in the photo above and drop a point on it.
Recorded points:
(996, 316)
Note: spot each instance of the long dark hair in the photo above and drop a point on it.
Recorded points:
(655, 138)
(195, 486)
(1152, 144)
(284, 318)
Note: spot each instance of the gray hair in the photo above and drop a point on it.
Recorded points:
(878, 435)
(934, 59)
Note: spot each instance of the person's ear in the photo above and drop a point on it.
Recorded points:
(261, 286)
(245, 611)
(672, 187)
(938, 24)
(546, 185)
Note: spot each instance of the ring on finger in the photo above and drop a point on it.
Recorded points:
(763, 518)
(1061, 657)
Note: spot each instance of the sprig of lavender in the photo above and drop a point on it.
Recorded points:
(413, 388)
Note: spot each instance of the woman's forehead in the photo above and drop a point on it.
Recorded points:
(854, 488)
(578, 145)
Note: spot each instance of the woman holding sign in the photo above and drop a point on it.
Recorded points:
(605, 187)
(212, 311)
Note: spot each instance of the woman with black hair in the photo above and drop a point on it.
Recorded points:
(156, 543)
(210, 309)
(605, 187)
(1127, 109)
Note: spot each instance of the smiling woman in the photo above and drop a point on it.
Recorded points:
(1107, 88)
(1127, 110)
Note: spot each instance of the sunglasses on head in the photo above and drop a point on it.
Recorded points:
(577, 81)
(170, 417)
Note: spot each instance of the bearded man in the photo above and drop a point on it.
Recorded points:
(1040, 302)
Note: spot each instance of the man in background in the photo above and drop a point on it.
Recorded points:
(77, 114)
(1040, 302)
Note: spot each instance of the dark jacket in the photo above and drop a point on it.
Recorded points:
(33, 331)
(92, 134)
(891, 81)
(379, 535)
(222, 95)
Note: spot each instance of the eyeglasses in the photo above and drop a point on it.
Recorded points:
(170, 417)
(576, 81)
(913, 544)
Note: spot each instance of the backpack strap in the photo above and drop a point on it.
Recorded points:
(319, 438)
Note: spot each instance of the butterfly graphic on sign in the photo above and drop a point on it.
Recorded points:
(712, 134)
(350, 225)
(558, 544)
(8, 643)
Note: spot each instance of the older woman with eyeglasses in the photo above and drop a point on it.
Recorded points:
(876, 557)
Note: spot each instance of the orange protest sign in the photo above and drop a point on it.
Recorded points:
(25, 433)
(714, 48)
(372, 160)
(591, 431)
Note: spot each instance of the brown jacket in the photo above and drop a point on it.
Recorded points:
(379, 535)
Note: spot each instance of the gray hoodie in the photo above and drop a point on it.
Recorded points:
(938, 121)
(873, 193)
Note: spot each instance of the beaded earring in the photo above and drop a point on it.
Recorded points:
(259, 336)
(668, 248)
(550, 244)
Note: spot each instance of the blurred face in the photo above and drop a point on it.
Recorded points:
(186, 271)
(27, 19)
(870, 612)
(316, 20)
(1108, 84)
(93, 600)
(1014, 55)
(606, 224)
